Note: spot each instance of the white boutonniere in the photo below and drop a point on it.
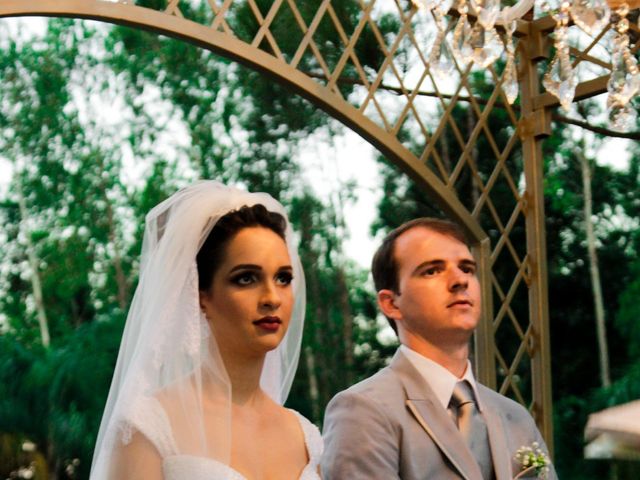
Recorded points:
(532, 460)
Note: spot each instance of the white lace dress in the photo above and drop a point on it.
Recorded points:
(153, 422)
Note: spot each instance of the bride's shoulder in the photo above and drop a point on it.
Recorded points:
(144, 411)
(158, 417)
(149, 417)
(305, 423)
(312, 436)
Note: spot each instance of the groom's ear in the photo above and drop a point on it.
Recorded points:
(387, 304)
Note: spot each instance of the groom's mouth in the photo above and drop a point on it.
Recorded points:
(269, 323)
(460, 303)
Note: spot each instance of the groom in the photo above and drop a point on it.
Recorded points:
(424, 416)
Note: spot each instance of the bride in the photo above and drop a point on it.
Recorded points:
(210, 347)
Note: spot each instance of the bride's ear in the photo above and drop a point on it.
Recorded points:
(204, 298)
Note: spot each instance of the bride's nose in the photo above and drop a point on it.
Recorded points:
(270, 296)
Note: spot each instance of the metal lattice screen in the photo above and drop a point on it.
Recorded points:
(370, 64)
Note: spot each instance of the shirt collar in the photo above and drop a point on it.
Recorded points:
(439, 379)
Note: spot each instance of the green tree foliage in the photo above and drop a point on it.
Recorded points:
(575, 366)
(341, 343)
(179, 113)
(70, 187)
(82, 107)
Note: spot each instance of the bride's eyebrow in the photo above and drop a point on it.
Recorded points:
(250, 267)
(246, 266)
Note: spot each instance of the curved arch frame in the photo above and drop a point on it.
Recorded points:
(531, 130)
(227, 46)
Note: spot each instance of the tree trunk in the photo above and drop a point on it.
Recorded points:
(347, 325)
(596, 286)
(317, 368)
(36, 285)
(121, 278)
(344, 305)
(314, 394)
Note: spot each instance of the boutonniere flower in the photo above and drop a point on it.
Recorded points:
(532, 460)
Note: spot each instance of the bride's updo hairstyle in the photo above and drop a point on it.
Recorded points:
(213, 249)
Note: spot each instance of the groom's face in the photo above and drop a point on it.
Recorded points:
(439, 293)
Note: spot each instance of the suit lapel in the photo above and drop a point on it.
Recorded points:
(435, 420)
(497, 439)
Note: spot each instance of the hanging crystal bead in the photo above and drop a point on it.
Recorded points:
(560, 80)
(460, 43)
(443, 5)
(510, 81)
(623, 118)
(486, 44)
(440, 62)
(624, 80)
(510, 78)
(562, 16)
(622, 11)
(590, 15)
(489, 14)
(487, 10)
(423, 4)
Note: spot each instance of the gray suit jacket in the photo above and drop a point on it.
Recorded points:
(391, 426)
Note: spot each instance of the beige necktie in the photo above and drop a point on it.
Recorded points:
(472, 426)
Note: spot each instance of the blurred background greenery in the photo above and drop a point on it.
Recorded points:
(100, 123)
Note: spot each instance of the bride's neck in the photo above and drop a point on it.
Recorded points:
(244, 375)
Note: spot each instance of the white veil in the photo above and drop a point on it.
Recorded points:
(167, 354)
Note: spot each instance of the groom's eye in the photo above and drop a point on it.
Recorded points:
(469, 268)
(427, 272)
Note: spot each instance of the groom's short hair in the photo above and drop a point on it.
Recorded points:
(384, 267)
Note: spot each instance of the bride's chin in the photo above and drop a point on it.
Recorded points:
(271, 344)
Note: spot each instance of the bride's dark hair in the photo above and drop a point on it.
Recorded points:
(214, 247)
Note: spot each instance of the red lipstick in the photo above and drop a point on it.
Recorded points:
(269, 323)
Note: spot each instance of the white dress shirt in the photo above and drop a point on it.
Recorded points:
(439, 379)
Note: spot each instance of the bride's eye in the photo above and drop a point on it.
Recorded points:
(244, 279)
(284, 278)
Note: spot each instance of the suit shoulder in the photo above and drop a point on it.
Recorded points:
(378, 388)
(383, 378)
(503, 403)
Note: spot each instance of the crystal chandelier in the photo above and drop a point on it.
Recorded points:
(476, 40)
